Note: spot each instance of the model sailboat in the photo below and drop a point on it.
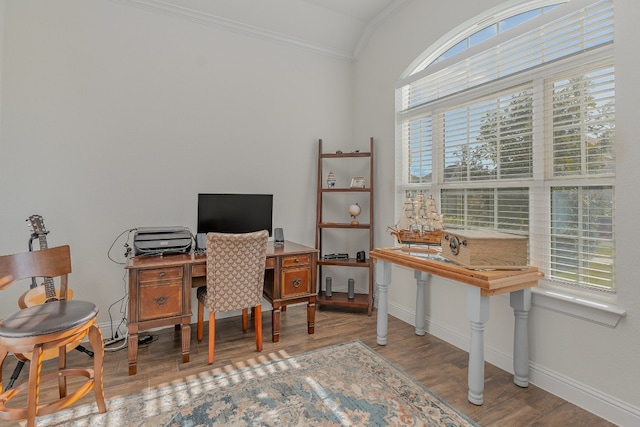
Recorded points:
(420, 222)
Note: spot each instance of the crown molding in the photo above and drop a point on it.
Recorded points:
(202, 18)
(377, 20)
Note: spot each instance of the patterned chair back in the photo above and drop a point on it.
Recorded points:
(235, 270)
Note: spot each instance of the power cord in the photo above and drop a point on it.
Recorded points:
(123, 301)
(142, 341)
(123, 309)
(126, 246)
(146, 340)
(120, 347)
(123, 320)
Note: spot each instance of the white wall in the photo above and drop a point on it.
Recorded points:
(116, 117)
(590, 364)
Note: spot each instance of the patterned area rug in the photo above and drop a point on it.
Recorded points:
(343, 385)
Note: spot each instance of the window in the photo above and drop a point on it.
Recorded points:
(512, 127)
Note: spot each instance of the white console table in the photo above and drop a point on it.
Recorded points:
(482, 285)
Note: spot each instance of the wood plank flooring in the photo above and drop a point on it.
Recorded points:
(438, 365)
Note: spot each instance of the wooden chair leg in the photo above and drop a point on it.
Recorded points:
(200, 324)
(97, 343)
(33, 395)
(212, 335)
(245, 319)
(4, 353)
(258, 326)
(62, 364)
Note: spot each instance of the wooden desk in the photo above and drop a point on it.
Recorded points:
(482, 285)
(160, 290)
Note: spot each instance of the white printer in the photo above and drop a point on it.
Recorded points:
(161, 240)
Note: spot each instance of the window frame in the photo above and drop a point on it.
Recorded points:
(540, 183)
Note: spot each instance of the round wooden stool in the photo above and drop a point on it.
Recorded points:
(45, 331)
(50, 327)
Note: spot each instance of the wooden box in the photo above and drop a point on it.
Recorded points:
(482, 249)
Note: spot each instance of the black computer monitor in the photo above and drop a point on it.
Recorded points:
(234, 213)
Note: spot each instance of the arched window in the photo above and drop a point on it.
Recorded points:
(512, 127)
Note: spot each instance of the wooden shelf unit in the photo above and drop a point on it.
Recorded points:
(360, 300)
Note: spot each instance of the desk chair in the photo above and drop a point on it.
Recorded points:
(36, 331)
(235, 279)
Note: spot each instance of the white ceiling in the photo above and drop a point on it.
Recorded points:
(335, 27)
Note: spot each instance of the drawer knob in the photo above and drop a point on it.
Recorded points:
(161, 300)
(296, 260)
(296, 282)
(161, 274)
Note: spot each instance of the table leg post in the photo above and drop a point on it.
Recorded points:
(311, 315)
(275, 322)
(133, 349)
(521, 304)
(421, 282)
(383, 279)
(186, 340)
(478, 313)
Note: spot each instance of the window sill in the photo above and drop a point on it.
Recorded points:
(578, 305)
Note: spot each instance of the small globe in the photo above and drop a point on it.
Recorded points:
(354, 211)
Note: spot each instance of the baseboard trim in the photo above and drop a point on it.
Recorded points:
(588, 398)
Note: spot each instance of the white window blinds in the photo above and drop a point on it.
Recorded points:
(582, 111)
(582, 133)
(567, 30)
(490, 138)
(516, 132)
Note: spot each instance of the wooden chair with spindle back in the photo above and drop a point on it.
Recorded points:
(235, 280)
(42, 328)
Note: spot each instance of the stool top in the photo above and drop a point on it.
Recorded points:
(48, 318)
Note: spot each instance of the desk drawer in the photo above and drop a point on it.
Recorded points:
(160, 300)
(294, 261)
(295, 281)
(156, 274)
(199, 270)
(270, 263)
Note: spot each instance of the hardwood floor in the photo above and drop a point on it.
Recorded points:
(438, 365)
